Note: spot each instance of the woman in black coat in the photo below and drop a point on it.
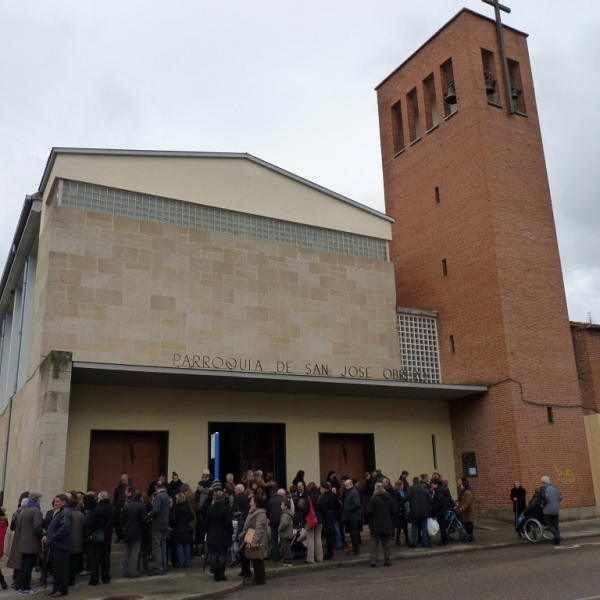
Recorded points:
(219, 531)
(327, 506)
(299, 477)
(174, 486)
(180, 518)
(438, 508)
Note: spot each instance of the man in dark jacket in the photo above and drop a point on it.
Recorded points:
(100, 523)
(351, 514)
(274, 516)
(29, 533)
(152, 486)
(380, 509)
(58, 540)
(134, 517)
(438, 507)
(119, 498)
(159, 528)
(419, 502)
(241, 502)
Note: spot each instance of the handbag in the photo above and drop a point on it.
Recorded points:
(311, 517)
(249, 537)
(432, 526)
(97, 536)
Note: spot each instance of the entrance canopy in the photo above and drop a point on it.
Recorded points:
(171, 377)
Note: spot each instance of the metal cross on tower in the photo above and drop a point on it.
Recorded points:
(507, 85)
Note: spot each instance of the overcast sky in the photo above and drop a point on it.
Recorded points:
(290, 82)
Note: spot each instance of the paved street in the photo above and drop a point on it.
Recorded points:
(529, 571)
(497, 565)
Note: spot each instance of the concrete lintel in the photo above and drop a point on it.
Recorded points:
(418, 313)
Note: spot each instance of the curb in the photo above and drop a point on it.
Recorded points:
(233, 587)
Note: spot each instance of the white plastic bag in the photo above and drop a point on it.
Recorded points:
(432, 527)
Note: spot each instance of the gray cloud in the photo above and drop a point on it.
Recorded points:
(290, 83)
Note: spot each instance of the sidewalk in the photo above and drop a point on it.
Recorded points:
(193, 584)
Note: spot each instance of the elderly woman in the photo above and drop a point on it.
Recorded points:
(255, 545)
(466, 504)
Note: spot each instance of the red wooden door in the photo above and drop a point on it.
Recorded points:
(113, 453)
(344, 454)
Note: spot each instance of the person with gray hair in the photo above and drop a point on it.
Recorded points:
(380, 510)
(29, 533)
(101, 522)
(229, 484)
(551, 499)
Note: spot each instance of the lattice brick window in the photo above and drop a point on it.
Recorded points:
(75, 194)
(419, 354)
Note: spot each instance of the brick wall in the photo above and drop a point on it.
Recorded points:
(503, 298)
(586, 341)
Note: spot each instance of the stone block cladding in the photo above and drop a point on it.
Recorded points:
(500, 293)
(39, 421)
(121, 290)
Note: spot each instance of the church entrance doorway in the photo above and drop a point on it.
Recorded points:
(250, 446)
(346, 454)
(140, 454)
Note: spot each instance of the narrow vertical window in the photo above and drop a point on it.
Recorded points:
(431, 111)
(550, 414)
(489, 77)
(449, 88)
(444, 267)
(397, 128)
(437, 195)
(414, 121)
(516, 87)
(434, 449)
(452, 348)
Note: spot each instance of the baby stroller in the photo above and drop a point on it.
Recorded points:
(453, 523)
(298, 545)
(531, 523)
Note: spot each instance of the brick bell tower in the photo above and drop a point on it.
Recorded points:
(474, 239)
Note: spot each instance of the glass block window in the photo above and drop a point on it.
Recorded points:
(122, 203)
(419, 353)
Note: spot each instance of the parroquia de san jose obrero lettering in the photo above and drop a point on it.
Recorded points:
(196, 361)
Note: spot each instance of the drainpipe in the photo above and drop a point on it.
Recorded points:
(10, 401)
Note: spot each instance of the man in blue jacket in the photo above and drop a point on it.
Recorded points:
(58, 540)
(551, 499)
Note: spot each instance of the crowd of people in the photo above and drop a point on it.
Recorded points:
(229, 524)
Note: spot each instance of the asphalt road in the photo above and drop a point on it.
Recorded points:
(531, 571)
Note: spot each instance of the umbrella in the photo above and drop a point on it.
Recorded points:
(206, 557)
(44, 566)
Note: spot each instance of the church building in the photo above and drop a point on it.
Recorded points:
(154, 299)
